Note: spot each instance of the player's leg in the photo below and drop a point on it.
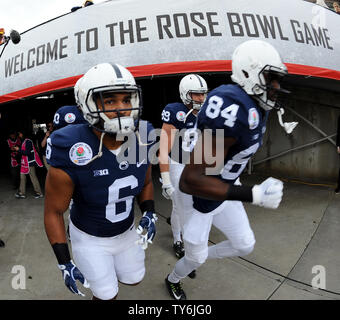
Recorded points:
(175, 173)
(234, 223)
(181, 207)
(130, 260)
(196, 235)
(95, 262)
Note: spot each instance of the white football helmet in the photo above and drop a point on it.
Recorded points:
(252, 62)
(192, 83)
(108, 78)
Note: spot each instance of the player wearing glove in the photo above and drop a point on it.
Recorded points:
(147, 223)
(232, 123)
(88, 164)
(177, 139)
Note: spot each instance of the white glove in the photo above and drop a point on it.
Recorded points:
(268, 194)
(167, 186)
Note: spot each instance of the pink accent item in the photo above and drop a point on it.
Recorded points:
(25, 167)
(11, 144)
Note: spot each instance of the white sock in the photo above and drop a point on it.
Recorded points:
(183, 267)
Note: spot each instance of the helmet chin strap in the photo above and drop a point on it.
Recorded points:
(140, 140)
(100, 152)
(287, 126)
(185, 118)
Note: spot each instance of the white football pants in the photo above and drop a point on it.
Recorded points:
(105, 261)
(181, 202)
(232, 220)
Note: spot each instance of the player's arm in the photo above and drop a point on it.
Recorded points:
(165, 145)
(147, 192)
(58, 193)
(194, 179)
(166, 142)
(147, 207)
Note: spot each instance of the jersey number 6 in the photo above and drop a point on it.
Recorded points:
(111, 213)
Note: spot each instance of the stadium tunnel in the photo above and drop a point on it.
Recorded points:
(307, 154)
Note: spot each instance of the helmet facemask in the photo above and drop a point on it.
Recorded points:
(195, 104)
(122, 124)
(264, 91)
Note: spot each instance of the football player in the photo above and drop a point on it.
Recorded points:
(176, 137)
(235, 115)
(91, 163)
(66, 115)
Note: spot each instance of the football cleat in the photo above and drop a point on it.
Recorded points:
(175, 290)
(192, 274)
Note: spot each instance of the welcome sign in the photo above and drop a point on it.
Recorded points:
(174, 37)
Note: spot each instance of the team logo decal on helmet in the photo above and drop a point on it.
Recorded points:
(105, 79)
(192, 83)
(256, 65)
(70, 117)
(80, 153)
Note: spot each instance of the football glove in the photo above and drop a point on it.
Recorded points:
(268, 194)
(70, 274)
(167, 187)
(148, 223)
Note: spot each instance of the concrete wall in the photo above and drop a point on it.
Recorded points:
(318, 163)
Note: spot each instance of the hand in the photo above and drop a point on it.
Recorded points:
(70, 274)
(167, 187)
(268, 194)
(147, 222)
(338, 149)
(167, 191)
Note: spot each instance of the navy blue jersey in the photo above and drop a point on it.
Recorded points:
(67, 115)
(104, 190)
(175, 114)
(230, 108)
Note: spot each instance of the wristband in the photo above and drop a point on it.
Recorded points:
(61, 252)
(147, 205)
(240, 193)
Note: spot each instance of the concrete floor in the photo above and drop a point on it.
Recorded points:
(304, 233)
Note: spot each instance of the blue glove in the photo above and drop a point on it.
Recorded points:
(70, 274)
(147, 222)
